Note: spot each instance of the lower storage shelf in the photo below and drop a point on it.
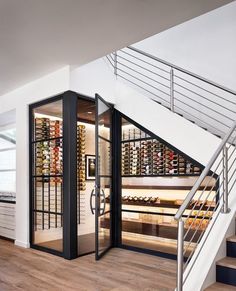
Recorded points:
(159, 230)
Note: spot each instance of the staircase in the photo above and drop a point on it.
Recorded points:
(206, 106)
(226, 268)
(201, 101)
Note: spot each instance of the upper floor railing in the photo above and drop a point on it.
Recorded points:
(209, 105)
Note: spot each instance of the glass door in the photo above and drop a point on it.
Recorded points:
(103, 200)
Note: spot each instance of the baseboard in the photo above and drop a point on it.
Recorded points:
(22, 244)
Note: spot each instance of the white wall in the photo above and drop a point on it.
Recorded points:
(94, 77)
(185, 136)
(19, 100)
(192, 97)
(205, 45)
(97, 77)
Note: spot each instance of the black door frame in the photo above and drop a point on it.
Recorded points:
(69, 110)
(69, 99)
(97, 185)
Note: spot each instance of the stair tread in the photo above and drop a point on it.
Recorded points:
(227, 262)
(232, 238)
(220, 287)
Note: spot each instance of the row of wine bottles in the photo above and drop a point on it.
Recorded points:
(46, 128)
(81, 135)
(48, 153)
(151, 157)
(133, 133)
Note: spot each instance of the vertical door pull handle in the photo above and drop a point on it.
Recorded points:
(91, 201)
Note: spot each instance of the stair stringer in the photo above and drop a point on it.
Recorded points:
(187, 137)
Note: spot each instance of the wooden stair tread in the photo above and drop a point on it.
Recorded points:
(232, 238)
(227, 262)
(220, 287)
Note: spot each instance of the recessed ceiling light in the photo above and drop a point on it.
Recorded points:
(90, 112)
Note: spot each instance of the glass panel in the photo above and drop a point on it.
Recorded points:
(48, 121)
(8, 160)
(104, 239)
(46, 232)
(145, 156)
(48, 158)
(86, 176)
(104, 120)
(10, 133)
(105, 197)
(153, 232)
(8, 181)
(8, 138)
(104, 157)
(8, 164)
(130, 131)
(48, 169)
(103, 177)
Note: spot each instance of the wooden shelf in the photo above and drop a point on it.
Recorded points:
(161, 187)
(169, 231)
(162, 175)
(165, 204)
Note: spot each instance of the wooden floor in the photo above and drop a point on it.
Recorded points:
(119, 270)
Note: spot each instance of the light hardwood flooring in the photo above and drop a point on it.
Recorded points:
(119, 270)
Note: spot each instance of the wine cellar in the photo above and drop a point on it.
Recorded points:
(149, 157)
(155, 179)
(141, 181)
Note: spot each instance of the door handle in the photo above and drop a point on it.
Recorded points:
(102, 200)
(91, 201)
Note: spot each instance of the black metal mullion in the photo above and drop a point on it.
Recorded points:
(103, 138)
(55, 204)
(47, 139)
(49, 209)
(62, 208)
(47, 212)
(99, 254)
(43, 205)
(70, 175)
(116, 181)
(47, 176)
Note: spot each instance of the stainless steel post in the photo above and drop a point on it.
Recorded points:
(225, 208)
(172, 90)
(180, 256)
(115, 63)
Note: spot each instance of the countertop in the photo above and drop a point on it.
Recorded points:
(8, 197)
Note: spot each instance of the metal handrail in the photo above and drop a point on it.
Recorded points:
(204, 174)
(191, 100)
(183, 70)
(219, 157)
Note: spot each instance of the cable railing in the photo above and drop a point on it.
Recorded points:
(203, 205)
(209, 105)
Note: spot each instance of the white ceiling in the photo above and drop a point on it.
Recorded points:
(40, 36)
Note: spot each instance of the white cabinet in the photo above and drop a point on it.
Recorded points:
(7, 220)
